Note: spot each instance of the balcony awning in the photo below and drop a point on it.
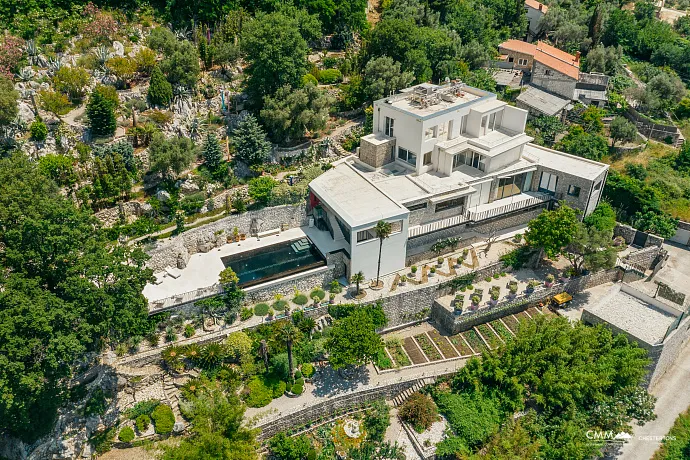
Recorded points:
(450, 196)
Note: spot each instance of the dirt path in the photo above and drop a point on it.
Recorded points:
(373, 11)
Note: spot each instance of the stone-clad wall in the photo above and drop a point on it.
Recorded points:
(669, 351)
(555, 82)
(176, 251)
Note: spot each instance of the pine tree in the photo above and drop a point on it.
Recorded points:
(101, 113)
(249, 139)
(212, 153)
(160, 90)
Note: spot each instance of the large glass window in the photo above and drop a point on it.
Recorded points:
(454, 203)
(513, 185)
(407, 156)
(389, 126)
(427, 158)
(366, 235)
(469, 158)
(463, 124)
(548, 182)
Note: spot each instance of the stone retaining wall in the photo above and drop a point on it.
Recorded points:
(453, 324)
(645, 258)
(176, 251)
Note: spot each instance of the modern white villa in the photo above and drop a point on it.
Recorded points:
(443, 161)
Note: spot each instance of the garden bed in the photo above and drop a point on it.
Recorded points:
(475, 341)
(489, 335)
(522, 316)
(533, 312)
(383, 361)
(398, 354)
(413, 351)
(502, 331)
(512, 323)
(461, 345)
(428, 348)
(446, 348)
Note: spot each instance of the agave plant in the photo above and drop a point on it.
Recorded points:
(183, 33)
(195, 127)
(212, 355)
(102, 55)
(33, 51)
(54, 64)
(25, 74)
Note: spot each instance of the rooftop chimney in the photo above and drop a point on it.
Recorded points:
(540, 7)
(577, 57)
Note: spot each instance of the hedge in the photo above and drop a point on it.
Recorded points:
(261, 309)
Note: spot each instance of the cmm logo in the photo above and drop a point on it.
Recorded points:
(608, 436)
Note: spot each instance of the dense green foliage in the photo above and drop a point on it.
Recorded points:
(101, 113)
(567, 378)
(160, 91)
(677, 445)
(65, 293)
(353, 340)
(249, 140)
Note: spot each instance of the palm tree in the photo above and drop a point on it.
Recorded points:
(307, 325)
(288, 333)
(357, 278)
(263, 352)
(383, 231)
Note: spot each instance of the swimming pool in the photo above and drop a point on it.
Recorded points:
(274, 261)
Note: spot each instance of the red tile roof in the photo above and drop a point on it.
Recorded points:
(535, 4)
(547, 55)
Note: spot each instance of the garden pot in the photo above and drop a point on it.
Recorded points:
(529, 290)
(243, 236)
(548, 284)
(403, 283)
(331, 301)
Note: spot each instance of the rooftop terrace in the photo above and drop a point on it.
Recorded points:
(427, 99)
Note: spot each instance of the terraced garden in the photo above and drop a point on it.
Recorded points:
(431, 346)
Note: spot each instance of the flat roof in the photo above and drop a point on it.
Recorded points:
(546, 103)
(628, 310)
(401, 188)
(559, 161)
(404, 102)
(353, 198)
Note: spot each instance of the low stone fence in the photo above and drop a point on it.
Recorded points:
(454, 324)
(645, 258)
(176, 251)
(649, 128)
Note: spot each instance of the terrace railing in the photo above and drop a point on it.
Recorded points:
(186, 297)
(533, 201)
(418, 230)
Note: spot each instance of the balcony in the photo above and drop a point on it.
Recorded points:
(508, 205)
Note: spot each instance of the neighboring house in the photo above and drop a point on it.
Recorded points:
(660, 327)
(442, 162)
(554, 71)
(534, 11)
(538, 103)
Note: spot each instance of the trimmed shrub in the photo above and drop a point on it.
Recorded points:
(299, 382)
(38, 131)
(298, 389)
(309, 79)
(259, 394)
(163, 419)
(298, 374)
(261, 309)
(143, 422)
(279, 305)
(300, 299)
(279, 389)
(126, 434)
(246, 313)
(318, 292)
(330, 76)
(307, 370)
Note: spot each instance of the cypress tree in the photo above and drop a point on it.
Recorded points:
(101, 113)
(160, 90)
(212, 153)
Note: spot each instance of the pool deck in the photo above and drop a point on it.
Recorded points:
(203, 268)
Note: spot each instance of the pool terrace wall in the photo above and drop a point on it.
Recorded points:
(176, 251)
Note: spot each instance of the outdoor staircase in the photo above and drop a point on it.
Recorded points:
(172, 396)
(418, 385)
(337, 232)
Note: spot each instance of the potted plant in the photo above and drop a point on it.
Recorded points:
(316, 300)
(403, 280)
(270, 313)
(331, 298)
(243, 236)
(513, 287)
(413, 270)
(458, 262)
(494, 298)
(236, 234)
(563, 276)
(464, 253)
(475, 300)
(531, 285)
(458, 303)
(439, 261)
(549, 280)
(432, 271)
(517, 238)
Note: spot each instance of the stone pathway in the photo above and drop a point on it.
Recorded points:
(329, 385)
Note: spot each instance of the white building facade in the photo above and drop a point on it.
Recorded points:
(441, 160)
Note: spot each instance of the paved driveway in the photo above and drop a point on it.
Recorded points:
(673, 398)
